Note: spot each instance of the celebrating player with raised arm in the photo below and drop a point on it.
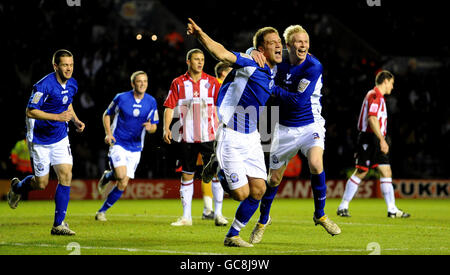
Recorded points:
(238, 149)
(301, 127)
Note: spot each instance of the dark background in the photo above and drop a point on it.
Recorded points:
(352, 40)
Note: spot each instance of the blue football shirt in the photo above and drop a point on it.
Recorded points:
(129, 115)
(50, 96)
(301, 104)
(245, 90)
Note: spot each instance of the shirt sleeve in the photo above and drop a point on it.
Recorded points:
(373, 105)
(243, 60)
(112, 107)
(38, 96)
(153, 116)
(172, 98)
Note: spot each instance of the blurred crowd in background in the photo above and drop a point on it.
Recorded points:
(353, 42)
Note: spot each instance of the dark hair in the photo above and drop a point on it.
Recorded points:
(58, 54)
(258, 38)
(382, 76)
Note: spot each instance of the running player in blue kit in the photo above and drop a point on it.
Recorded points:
(301, 127)
(134, 113)
(48, 112)
(238, 149)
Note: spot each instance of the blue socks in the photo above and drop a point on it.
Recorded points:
(113, 196)
(62, 196)
(319, 189)
(243, 214)
(266, 203)
(23, 186)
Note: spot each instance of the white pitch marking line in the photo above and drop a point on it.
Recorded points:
(113, 248)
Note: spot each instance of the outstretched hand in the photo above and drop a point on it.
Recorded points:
(192, 27)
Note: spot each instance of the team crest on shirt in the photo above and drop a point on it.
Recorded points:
(272, 82)
(136, 112)
(234, 177)
(316, 136)
(40, 167)
(207, 85)
(275, 159)
(303, 84)
(65, 99)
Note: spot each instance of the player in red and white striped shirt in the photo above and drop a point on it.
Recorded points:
(192, 97)
(372, 147)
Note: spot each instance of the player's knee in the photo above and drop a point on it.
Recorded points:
(316, 166)
(360, 173)
(258, 192)
(240, 194)
(40, 184)
(122, 183)
(274, 180)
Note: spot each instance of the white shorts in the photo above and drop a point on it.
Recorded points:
(44, 156)
(287, 141)
(118, 156)
(240, 155)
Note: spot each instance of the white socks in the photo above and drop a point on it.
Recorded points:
(186, 193)
(386, 187)
(217, 191)
(350, 190)
(388, 193)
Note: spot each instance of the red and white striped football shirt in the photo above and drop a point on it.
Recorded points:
(195, 102)
(373, 105)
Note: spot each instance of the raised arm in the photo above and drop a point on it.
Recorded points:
(215, 49)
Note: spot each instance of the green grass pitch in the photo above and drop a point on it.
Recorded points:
(143, 227)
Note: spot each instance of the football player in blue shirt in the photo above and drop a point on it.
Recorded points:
(238, 150)
(48, 112)
(129, 116)
(301, 127)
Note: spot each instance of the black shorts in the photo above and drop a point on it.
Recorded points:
(189, 153)
(368, 152)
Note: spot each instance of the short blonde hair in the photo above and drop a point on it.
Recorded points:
(289, 31)
(135, 74)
